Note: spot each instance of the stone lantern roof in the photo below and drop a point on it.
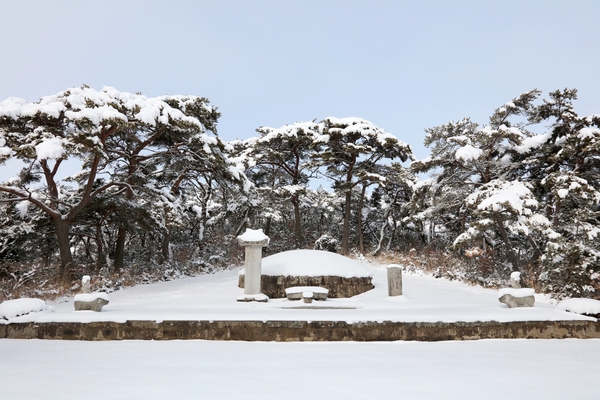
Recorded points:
(253, 237)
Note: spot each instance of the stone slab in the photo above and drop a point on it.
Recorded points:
(297, 292)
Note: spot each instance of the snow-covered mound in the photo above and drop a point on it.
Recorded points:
(580, 306)
(14, 308)
(313, 263)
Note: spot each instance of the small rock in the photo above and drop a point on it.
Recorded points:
(94, 305)
(512, 301)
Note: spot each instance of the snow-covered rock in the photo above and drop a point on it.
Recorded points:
(580, 306)
(517, 297)
(17, 307)
(91, 301)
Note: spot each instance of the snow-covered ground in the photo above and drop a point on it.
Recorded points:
(484, 369)
(213, 297)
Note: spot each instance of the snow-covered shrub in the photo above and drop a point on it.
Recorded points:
(327, 243)
(570, 270)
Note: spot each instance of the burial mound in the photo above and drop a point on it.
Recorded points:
(343, 276)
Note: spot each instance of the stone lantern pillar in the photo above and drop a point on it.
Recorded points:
(253, 241)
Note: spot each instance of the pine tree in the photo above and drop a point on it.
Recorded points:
(350, 150)
(282, 155)
(111, 132)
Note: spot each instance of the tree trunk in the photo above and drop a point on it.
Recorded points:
(382, 231)
(297, 222)
(120, 250)
(100, 247)
(345, 250)
(242, 227)
(536, 249)
(122, 235)
(392, 234)
(556, 219)
(346, 232)
(166, 242)
(267, 230)
(64, 247)
(204, 219)
(361, 246)
(509, 250)
(166, 238)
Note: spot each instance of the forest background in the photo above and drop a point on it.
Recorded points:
(513, 187)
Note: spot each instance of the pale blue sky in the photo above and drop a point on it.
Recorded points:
(403, 65)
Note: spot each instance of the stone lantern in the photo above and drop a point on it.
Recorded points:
(253, 241)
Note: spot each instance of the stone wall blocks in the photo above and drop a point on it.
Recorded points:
(300, 330)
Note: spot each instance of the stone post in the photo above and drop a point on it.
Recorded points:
(394, 276)
(85, 284)
(253, 241)
(515, 280)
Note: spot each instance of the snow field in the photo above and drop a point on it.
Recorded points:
(484, 369)
(213, 298)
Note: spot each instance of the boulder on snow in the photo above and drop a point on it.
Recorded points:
(588, 307)
(512, 301)
(91, 301)
(517, 297)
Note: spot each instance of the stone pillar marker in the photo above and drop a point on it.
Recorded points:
(85, 284)
(253, 241)
(394, 276)
(515, 280)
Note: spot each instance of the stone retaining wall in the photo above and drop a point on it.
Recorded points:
(300, 330)
(274, 286)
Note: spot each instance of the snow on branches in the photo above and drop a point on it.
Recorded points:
(123, 142)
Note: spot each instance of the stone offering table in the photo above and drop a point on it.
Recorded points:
(297, 292)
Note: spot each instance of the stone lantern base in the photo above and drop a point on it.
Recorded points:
(254, 297)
